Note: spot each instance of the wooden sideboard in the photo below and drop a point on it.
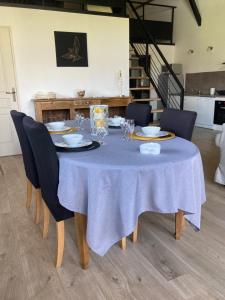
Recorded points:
(48, 110)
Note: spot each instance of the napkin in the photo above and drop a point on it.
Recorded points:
(150, 148)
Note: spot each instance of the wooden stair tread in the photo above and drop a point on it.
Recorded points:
(156, 123)
(157, 111)
(146, 99)
(140, 77)
(136, 68)
(140, 88)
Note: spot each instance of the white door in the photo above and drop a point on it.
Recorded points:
(8, 100)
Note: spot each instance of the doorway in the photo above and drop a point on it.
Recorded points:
(9, 144)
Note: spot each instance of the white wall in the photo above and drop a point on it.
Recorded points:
(35, 61)
(189, 36)
(169, 52)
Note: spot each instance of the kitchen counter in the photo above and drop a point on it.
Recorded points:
(203, 95)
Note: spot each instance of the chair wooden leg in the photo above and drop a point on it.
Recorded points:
(29, 193)
(123, 243)
(81, 227)
(46, 220)
(179, 223)
(60, 243)
(183, 223)
(134, 234)
(38, 206)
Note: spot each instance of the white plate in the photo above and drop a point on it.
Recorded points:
(113, 124)
(61, 129)
(78, 145)
(159, 134)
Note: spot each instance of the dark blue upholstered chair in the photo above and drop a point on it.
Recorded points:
(29, 163)
(47, 164)
(180, 122)
(140, 113)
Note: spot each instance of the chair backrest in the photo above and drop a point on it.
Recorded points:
(47, 164)
(180, 122)
(28, 157)
(141, 113)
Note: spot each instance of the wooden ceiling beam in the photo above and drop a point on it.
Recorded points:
(196, 12)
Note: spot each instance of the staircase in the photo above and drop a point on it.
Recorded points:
(141, 89)
(146, 82)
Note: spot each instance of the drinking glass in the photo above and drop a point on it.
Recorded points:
(124, 127)
(127, 129)
(101, 132)
(130, 125)
(79, 119)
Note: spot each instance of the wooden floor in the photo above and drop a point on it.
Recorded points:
(157, 267)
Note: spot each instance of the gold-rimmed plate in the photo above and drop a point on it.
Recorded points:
(65, 130)
(159, 134)
(169, 136)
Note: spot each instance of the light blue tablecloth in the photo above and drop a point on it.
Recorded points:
(114, 184)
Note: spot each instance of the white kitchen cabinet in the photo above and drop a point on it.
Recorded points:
(204, 106)
(205, 111)
(190, 103)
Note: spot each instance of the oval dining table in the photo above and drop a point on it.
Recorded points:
(114, 184)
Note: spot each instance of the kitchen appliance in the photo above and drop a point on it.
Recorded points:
(167, 85)
(219, 112)
(220, 92)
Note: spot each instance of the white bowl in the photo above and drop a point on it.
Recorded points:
(56, 125)
(150, 130)
(116, 121)
(72, 139)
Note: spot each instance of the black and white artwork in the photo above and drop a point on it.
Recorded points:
(71, 49)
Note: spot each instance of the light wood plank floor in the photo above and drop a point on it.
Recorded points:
(157, 267)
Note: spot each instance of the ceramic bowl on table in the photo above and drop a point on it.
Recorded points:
(116, 121)
(150, 130)
(72, 139)
(56, 125)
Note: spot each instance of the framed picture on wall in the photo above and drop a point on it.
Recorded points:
(71, 49)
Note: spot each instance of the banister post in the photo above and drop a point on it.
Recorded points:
(147, 59)
(182, 100)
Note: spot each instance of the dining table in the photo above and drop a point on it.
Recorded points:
(114, 184)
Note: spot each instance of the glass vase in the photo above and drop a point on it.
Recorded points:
(99, 117)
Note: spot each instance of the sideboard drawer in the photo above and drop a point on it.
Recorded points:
(50, 105)
(85, 103)
(116, 102)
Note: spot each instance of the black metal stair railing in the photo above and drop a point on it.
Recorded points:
(171, 90)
